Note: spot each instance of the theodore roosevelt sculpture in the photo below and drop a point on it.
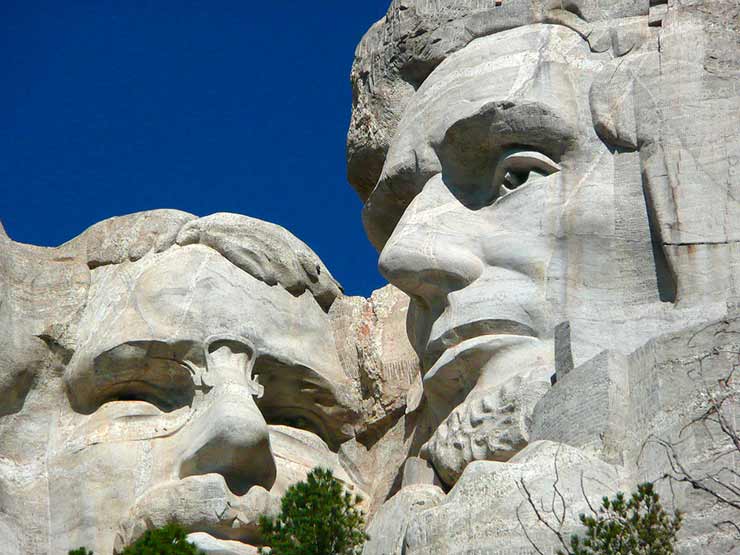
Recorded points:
(164, 367)
(553, 184)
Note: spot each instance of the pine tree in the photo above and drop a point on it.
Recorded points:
(638, 526)
(317, 518)
(169, 540)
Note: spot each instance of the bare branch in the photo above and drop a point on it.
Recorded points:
(556, 531)
(556, 491)
(585, 495)
(526, 534)
(731, 524)
(717, 402)
(679, 473)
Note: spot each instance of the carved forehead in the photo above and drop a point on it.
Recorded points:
(530, 45)
(538, 63)
(195, 290)
(193, 293)
(400, 51)
(169, 276)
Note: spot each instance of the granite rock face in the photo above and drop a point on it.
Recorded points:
(161, 366)
(553, 185)
(374, 349)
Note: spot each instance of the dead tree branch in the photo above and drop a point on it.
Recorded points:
(717, 412)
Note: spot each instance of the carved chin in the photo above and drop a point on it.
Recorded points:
(490, 425)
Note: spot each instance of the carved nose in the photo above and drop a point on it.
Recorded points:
(230, 438)
(432, 249)
(229, 435)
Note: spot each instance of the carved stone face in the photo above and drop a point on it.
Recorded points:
(558, 180)
(518, 233)
(555, 186)
(196, 393)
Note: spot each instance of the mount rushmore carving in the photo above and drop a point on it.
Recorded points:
(552, 189)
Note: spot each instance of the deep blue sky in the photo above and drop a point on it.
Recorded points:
(108, 108)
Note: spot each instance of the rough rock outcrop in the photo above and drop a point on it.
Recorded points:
(374, 349)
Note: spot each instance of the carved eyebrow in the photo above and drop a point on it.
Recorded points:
(471, 146)
(500, 124)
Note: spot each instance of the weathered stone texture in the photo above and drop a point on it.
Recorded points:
(553, 190)
(161, 366)
(554, 186)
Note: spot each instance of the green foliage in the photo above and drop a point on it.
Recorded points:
(170, 540)
(638, 526)
(317, 517)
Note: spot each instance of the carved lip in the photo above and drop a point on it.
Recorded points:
(471, 330)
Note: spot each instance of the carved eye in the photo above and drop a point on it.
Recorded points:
(301, 420)
(167, 387)
(517, 167)
(296, 396)
(143, 371)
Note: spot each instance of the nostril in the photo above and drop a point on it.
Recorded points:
(438, 281)
(241, 468)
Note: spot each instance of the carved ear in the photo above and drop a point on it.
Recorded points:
(622, 105)
(612, 99)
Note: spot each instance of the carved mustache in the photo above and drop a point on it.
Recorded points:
(200, 504)
(485, 327)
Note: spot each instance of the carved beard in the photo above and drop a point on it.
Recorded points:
(490, 425)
